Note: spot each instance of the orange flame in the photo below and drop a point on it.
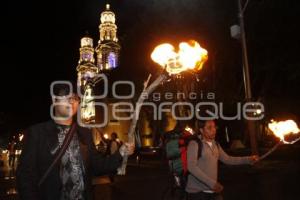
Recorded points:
(282, 128)
(191, 56)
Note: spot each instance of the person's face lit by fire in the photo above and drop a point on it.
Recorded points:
(209, 130)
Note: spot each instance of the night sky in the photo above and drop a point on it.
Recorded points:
(40, 43)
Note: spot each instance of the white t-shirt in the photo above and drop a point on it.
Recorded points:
(210, 144)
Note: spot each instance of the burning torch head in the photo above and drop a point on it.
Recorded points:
(284, 128)
(190, 56)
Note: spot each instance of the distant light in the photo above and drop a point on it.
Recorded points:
(21, 136)
(105, 136)
(190, 130)
(258, 111)
(4, 151)
(18, 152)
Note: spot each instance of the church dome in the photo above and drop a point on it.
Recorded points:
(108, 16)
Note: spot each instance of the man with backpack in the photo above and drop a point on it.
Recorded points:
(202, 164)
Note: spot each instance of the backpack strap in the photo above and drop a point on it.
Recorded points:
(200, 146)
(199, 142)
(60, 153)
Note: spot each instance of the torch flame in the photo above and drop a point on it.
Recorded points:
(163, 53)
(191, 56)
(282, 128)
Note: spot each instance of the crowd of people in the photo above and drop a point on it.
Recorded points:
(59, 157)
(109, 146)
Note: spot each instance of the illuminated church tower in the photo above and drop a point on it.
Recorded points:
(108, 48)
(86, 65)
(86, 71)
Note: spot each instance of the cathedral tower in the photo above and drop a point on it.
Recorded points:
(108, 49)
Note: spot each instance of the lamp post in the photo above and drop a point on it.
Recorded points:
(247, 83)
(246, 75)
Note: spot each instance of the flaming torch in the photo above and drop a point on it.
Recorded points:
(190, 57)
(281, 130)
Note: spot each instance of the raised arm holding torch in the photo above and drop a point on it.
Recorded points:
(190, 57)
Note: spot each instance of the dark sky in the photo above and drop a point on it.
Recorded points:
(40, 41)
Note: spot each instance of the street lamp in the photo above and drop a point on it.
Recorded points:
(238, 32)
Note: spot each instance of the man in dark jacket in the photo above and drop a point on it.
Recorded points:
(71, 178)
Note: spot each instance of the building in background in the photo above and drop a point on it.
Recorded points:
(108, 49)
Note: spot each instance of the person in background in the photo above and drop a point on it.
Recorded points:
(12, 154)
(115, 143)
(114, 146)
(202, 165)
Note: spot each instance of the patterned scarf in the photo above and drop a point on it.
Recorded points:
(72, 168)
